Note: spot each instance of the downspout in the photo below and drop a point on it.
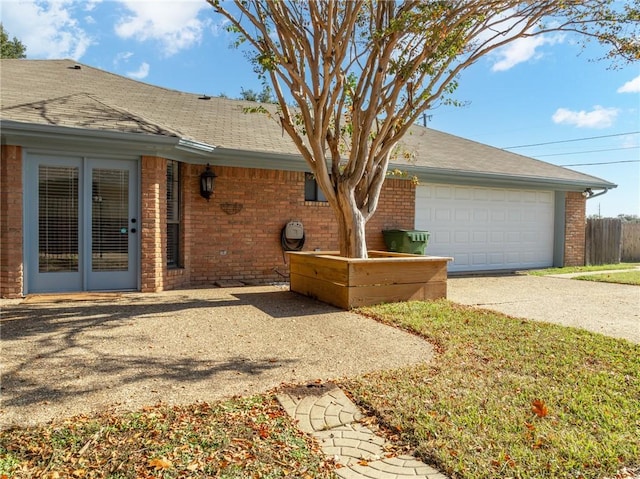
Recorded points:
(588, 194)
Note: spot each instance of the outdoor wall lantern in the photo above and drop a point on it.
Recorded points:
(207, 179)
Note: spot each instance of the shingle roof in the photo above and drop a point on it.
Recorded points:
(64, 93)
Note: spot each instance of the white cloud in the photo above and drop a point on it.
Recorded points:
(91, 4)
(141, 72)
(522, 50)
(122, 57)
(175, 25)
(47, 28)
(632, 86)
(599, 117)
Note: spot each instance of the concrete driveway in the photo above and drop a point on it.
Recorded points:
(74, 354)
(610, 309)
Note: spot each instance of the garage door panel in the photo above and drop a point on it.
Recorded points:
(480, 215)
(443, 192)
(462, 193)
(496, 259)
(480, 237)
(443, 214)
(462, 214)
(487, 228)
(496, 195)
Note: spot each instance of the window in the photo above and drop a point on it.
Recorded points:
(173, 214)
(312, 191)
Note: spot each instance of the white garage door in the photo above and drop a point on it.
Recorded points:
(487, 228)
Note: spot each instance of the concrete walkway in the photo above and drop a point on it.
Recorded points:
(593, 273)
(332, 418)
(606, 308)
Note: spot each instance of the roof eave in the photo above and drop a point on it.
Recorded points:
(36, 135)
(32, 135)
(443, 175)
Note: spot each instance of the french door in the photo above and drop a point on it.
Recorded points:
(82, 224)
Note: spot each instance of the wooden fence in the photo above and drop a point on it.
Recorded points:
(630, 242)
(610, 241)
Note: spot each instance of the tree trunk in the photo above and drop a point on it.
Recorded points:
(351, 225)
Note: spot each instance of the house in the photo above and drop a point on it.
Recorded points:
(100, 190)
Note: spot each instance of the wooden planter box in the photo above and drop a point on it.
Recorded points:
(384, 277)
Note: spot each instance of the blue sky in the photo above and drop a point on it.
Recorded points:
(545, 90)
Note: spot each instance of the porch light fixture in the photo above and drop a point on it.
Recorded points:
(207, 179)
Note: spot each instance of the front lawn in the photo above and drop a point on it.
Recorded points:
(508, 397)
(626, 277)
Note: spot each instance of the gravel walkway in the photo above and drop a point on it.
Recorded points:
(90, 352)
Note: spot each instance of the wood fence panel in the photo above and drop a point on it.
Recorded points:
(630, 242)
(603, 241)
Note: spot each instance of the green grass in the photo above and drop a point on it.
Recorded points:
(582, 269)
(470, 413)
(626, 277)
(240, 438)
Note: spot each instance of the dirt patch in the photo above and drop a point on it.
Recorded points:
(316, 389)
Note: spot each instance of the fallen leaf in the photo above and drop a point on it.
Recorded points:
(160, 463)
(539, 408)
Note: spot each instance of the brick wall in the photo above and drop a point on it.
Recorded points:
(11, 237)
(236, 235)
(153, 234)
(574, 246)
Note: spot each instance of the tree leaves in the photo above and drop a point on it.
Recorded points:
(244, 437)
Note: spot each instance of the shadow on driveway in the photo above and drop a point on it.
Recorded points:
(71, 357)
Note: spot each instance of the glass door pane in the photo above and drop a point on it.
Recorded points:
(57, 219)
(110, 220)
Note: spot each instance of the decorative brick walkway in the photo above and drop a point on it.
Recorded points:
(328, 414)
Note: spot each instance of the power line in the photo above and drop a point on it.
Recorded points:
(589, 151)
(569, 141)
(603, 163)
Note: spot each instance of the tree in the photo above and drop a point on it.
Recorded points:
(627, 218)
(361, 72)
(264, 96)
(11, 49)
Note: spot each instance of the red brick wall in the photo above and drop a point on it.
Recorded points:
(153, 234)
(11, 254)
(236, 235)
(574, 229)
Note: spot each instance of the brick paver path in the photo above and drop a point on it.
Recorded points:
(332, 418)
